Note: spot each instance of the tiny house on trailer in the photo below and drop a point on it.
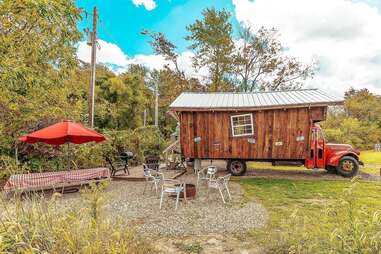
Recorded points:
(262, 126)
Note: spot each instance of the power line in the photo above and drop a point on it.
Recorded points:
(103, 25)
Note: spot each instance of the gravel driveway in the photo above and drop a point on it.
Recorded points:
(202, 215)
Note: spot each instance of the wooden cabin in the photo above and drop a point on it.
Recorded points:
(263, 126)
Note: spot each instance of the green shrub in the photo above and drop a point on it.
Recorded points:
(9, 166)
(89, 155)
(44, 226)
(147, 141)
(141, 141)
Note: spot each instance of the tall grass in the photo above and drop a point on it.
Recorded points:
(342, 227)
(39, 225)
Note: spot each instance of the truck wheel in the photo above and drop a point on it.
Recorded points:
(236, 167)
(331, 169)
(348, 166)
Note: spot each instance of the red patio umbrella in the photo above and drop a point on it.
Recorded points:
(63, 132)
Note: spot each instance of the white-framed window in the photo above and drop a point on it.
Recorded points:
(242, 125)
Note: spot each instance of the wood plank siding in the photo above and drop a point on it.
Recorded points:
(277, 134)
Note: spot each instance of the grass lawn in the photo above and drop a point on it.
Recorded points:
(372, 161)
(371, 157)
(282, 197)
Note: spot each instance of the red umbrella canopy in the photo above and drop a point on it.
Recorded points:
(63, 132)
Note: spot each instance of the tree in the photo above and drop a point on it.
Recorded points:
(38, 37)
(162, 46)
(212, 42)
(349, 130)
(260, 63)
(358, 122)
(172, 85)
(363, 105)
(37, 62)
(171, 81)
(122, 99)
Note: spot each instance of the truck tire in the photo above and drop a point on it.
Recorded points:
(331, 169)
(236, 167)
(348, 166)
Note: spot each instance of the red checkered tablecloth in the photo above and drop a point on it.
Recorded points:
(51, 179)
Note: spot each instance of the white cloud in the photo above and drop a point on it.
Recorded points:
(149, 5)
(341, 35)
(107, 53)
(149, 61)
(111, 55)
(184, 62)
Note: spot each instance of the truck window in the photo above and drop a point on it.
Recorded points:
(320, 153)
(322, 133)
(242, 125)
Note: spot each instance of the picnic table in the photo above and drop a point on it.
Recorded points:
(55, 180)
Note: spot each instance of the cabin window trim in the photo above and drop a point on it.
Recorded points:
(251, 124)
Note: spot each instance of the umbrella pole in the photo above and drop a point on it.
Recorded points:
(68, 155)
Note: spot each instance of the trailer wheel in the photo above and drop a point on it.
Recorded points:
(348, 166)
(236, 167)
(190, 162)
(331, 169)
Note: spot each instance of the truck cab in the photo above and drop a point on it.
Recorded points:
(341, 159)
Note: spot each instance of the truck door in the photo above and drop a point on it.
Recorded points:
(316, 157)
(319, 149)
(310, 160)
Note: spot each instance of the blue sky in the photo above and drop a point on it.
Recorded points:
(343, 37)
(121, 21)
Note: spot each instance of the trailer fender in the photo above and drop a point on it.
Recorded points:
(335, 159)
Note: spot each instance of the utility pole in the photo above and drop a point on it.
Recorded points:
(156, 104)
(93, 64)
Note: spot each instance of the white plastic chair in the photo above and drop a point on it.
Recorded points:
(206, 174)
(221, 183)
(152, 177)
(169, 187)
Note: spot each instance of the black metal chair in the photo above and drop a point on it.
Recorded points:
(120, 163)
(152, 162)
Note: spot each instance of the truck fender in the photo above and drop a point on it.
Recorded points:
(335, 159)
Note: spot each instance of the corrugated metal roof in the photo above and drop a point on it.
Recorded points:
(233, 101)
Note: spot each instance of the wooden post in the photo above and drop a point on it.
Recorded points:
(68, 156)
(93, 65)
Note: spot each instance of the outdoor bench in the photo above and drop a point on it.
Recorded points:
(58, 180)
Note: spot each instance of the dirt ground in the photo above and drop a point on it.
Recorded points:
(309, 174)
(279, 173)
(207, 244)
